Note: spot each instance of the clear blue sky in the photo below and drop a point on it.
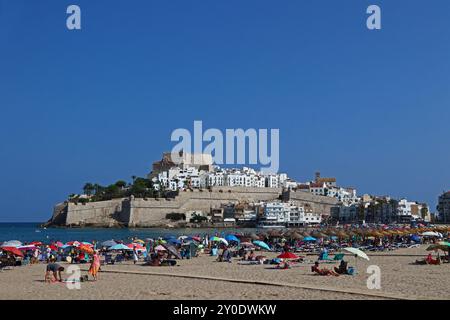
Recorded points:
(369, 107)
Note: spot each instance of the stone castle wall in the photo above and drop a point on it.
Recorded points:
(148, 212)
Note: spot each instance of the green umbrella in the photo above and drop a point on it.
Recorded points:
(438, 247)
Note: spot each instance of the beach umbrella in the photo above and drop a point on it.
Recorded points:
(108, 243)
(12, 243)
(357, 252)
(217, 239)
(182, 237)
(415, 238)
(198, 239)
(444, 244)
(172, 250)
(137, 245)
(231, 237)
(288, 255)
(435, 247)
(174, 241)
(274, 233)
(13, 250)
(27, 247)
(59, 244)
(247, 244)
(53, 247)
(309, 238)
(262, 234)
(86, 249)
(225, 242)
(119, 246)
(253, 236)
(36, 243)
(296, 236)
(87, 244)
(341, 234)
(73, 243)
(139, 241)
(261, 244)
(430, 234)
(160, 248)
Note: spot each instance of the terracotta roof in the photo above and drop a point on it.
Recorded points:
(326, 180)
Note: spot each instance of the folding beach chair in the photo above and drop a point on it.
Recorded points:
(338, 256)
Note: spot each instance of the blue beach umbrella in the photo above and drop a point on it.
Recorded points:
(119, 246)
(309, 238)
(261, 244)
(174, 241)
(108, 243)
(231, 237)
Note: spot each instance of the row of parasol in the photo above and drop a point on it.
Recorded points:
(347, 233)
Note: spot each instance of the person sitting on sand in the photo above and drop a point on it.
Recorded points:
(342, 269)
(284, 265)
(324, 271)
(55, 270)
(432, 261)
(251, 256)
(241, 252)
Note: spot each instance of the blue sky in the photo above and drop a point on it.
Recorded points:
(369, 107)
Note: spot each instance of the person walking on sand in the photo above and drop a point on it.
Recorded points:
(135, 255)
(95, 266)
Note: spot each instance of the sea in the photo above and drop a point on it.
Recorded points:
(29, 231)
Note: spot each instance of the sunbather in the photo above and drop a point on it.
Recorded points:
(324, 271)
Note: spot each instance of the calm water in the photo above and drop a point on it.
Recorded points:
(27, 232)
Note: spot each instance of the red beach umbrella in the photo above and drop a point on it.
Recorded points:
(27, 247)
(13, 250)
(73, 243)
(137, 245)
(36, 243)
(288, 255)
(59, 244)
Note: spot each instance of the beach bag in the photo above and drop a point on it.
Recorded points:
(351, 271)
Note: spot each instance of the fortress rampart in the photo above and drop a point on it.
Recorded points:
(150, 212)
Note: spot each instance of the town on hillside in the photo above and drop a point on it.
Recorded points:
(197, 172)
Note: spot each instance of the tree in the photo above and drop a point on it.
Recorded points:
(121, 184)
(88, 188)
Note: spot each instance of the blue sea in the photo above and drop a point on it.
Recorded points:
(28, 232)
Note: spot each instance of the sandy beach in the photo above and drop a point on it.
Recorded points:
(204, 278)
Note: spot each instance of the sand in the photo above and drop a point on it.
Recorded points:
(204, 278)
